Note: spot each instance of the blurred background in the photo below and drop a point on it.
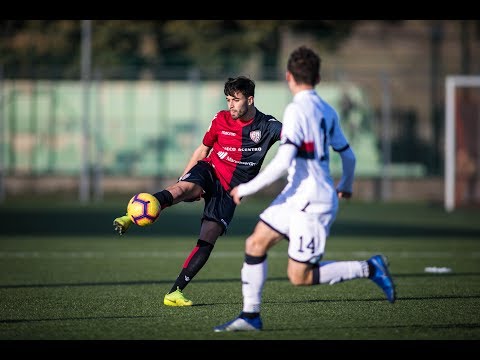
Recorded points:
(96, 108)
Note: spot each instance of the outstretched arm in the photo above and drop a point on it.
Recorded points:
(272, 172)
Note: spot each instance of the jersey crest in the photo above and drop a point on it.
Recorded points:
(255, 136)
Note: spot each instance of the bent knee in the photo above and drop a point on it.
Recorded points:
(262, 239)
(256, 245)
(299, 274)
(298, 280)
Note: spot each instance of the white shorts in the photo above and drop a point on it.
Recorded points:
(306, 231)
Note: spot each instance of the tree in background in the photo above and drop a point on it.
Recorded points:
(131, 48)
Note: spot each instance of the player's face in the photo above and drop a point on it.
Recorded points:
(239, 105)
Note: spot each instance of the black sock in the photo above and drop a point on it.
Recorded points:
(253, 260)
(192, 265)
(371, 269)
(316, 275)
(249, 315)
(165, 198)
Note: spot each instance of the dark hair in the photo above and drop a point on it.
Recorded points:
(304, 64)
(239, 84)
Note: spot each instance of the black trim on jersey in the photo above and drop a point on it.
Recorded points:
(288, 141)
(342, 149)
(331, 129)
(305, 154)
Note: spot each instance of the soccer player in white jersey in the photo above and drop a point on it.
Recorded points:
(306, 208)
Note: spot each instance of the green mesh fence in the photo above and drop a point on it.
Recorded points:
(145, 128)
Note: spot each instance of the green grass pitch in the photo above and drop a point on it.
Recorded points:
(66, 275)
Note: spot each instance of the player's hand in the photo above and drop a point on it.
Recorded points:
(121, 224)
(344, 194)
(234, 194)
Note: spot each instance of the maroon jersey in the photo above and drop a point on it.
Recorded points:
(239, 148)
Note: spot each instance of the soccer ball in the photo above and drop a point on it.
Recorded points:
(144, 209)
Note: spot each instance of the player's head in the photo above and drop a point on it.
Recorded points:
(304, 65)
(240, 93)
(241, 84)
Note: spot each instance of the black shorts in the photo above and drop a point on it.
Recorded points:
(219, 205)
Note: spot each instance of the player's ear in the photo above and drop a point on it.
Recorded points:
(250, 100)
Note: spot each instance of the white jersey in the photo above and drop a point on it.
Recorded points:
(312, 126)
(306, 208)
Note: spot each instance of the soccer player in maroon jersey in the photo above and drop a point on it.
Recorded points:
(231, 153)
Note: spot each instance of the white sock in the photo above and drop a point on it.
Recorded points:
(337, 271)
(253, 279)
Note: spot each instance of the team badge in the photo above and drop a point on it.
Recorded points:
(255, 135)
